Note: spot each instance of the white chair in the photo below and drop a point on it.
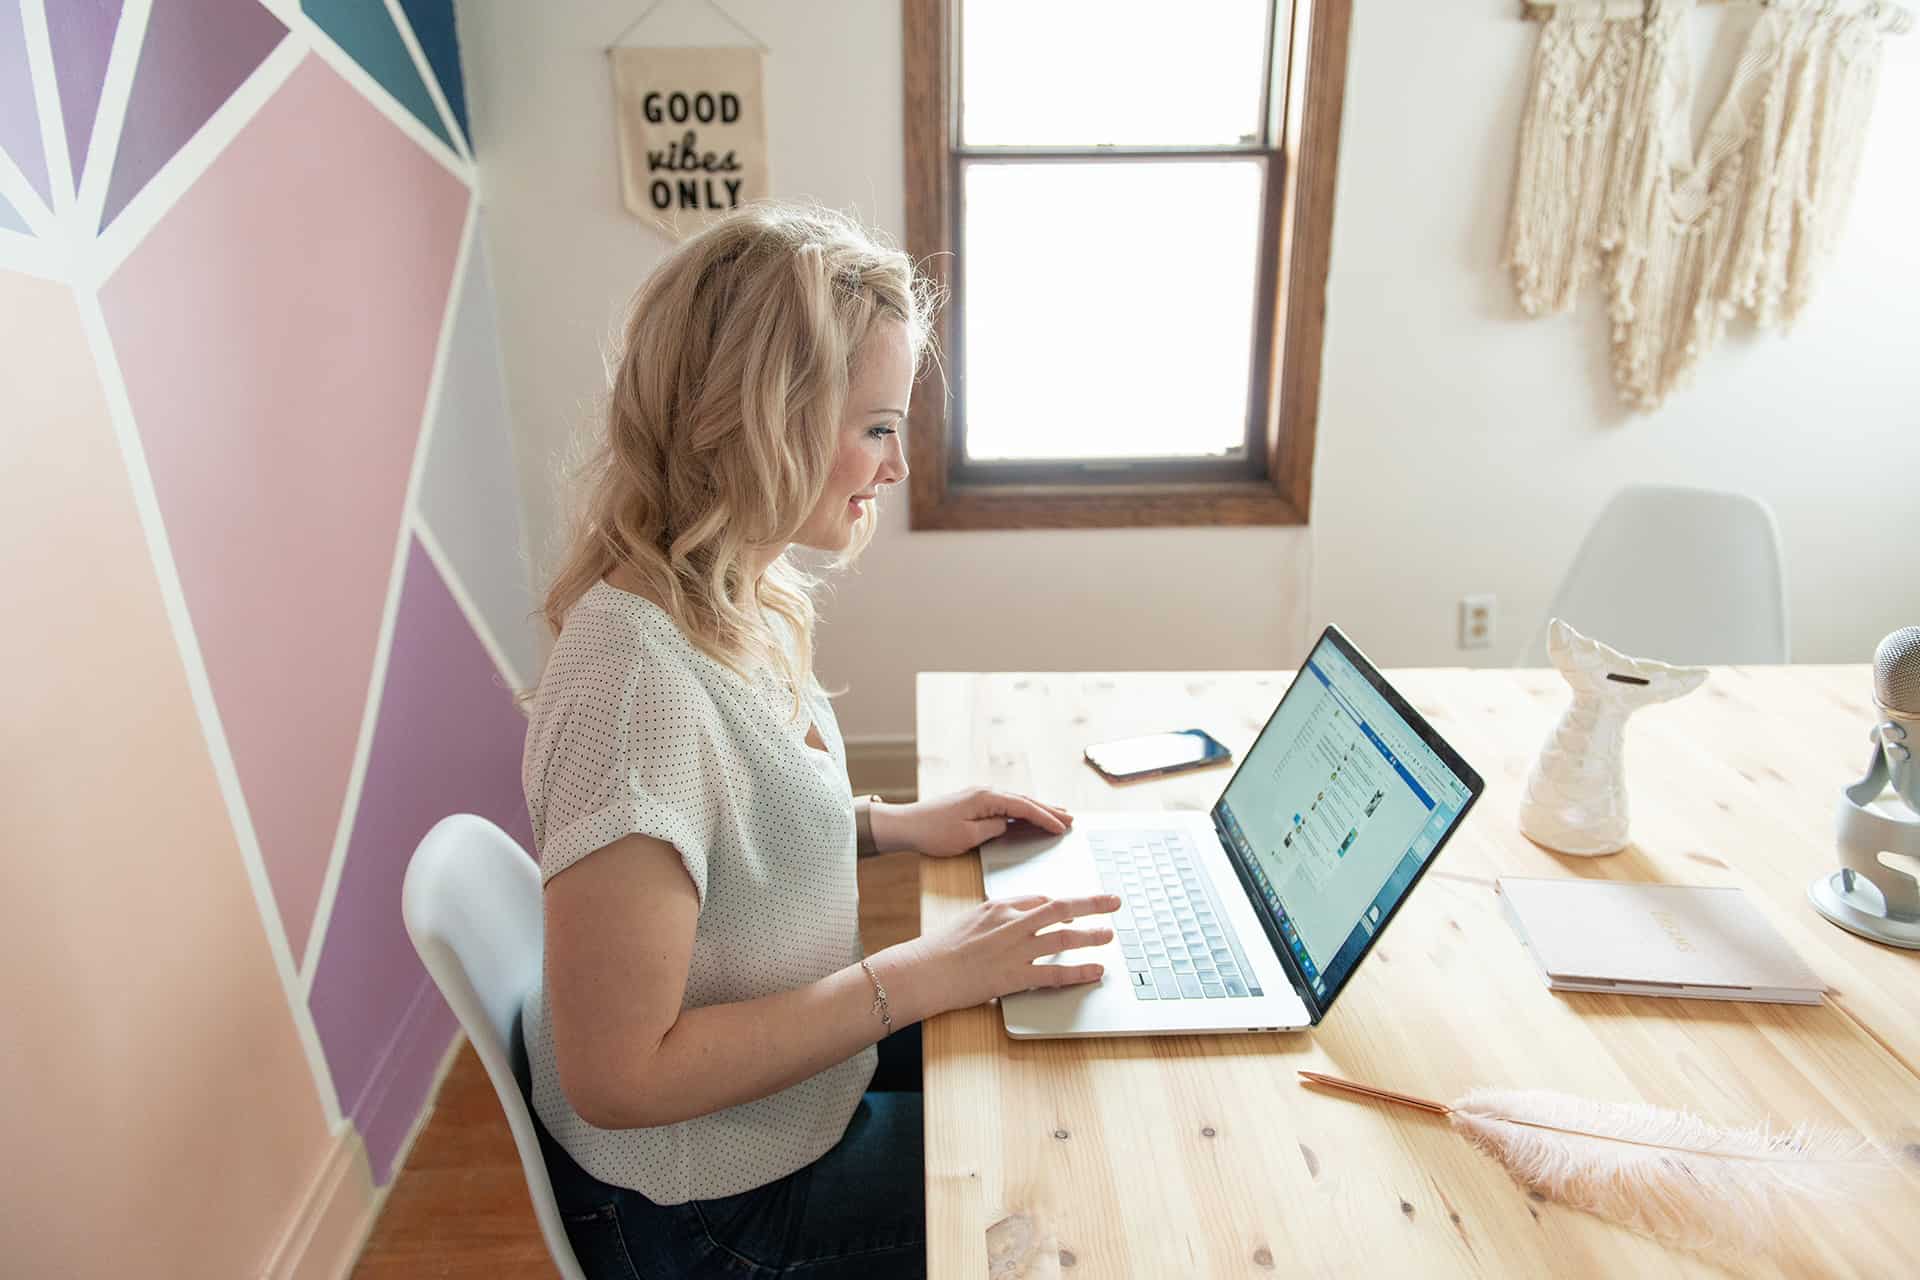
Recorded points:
(1688, 576)
(472, 907)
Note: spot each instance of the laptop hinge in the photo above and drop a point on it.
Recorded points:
(1274, 940)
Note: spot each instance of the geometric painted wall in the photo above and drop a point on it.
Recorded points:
(20, 139)
(469, 475)
(282, 477)
(262, 531)
(193, 55)
(152, 1058)
(435, 751)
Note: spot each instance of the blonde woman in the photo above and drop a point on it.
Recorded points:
(701, 1053)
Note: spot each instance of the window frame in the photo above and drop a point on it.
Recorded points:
(1271, 484)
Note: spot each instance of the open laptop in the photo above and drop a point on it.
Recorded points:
(1254, 916)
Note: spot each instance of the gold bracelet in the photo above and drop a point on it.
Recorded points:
(863, 844)
(879, 997)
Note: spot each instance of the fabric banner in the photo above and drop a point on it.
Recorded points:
(692, 130)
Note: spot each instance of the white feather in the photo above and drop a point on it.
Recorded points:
(1667, 1173)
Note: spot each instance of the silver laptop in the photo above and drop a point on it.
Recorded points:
(1251, 917)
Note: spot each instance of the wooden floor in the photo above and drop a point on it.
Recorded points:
(459, 1208)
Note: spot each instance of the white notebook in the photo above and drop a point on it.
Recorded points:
(1655, 940)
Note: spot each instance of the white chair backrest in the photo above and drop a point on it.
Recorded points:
(472, 906)
(1688, 576)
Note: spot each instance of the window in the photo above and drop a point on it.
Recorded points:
(1129, 203)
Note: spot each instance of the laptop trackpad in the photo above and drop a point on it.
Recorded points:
(1032, 861)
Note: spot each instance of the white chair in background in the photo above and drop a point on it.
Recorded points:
(472, 906)
(1689, 576)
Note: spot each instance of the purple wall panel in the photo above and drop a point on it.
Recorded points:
(81, 33)
(196, 54)
(19, 118)
(448, 740)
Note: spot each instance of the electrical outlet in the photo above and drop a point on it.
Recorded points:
(1476, 622)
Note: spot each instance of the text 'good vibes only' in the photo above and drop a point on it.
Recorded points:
(684, 156)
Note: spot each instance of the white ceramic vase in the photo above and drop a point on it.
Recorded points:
(1576, 800)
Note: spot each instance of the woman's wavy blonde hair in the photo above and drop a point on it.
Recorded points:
(722, 422)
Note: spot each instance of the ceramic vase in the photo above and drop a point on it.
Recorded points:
(1576, 799)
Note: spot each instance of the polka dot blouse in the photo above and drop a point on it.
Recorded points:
(636, 730)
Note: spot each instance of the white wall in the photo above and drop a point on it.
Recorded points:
(1462, 446)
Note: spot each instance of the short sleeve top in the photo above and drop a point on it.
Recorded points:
(637, 731)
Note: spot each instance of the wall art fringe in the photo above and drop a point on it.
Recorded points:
(1610, 183)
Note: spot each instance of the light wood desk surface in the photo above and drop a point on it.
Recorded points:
(1202, 1156)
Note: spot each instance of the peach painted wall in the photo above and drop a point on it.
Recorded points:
(149, 1044)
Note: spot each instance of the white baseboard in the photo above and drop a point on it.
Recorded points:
(335, 1216)
(886, 766)
(342, 1207)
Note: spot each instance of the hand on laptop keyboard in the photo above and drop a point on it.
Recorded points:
(990, 951)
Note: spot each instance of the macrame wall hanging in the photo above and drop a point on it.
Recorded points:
(1610, 185)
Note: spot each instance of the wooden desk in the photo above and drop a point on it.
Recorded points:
(1202, 1156)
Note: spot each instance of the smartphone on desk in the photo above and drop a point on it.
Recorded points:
(1154, 754)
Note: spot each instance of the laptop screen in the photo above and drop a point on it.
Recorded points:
(1337, 808)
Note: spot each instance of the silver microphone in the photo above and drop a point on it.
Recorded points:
(1876, 899)
(1896, 689)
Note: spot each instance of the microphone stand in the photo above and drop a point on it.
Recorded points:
(1867, 897)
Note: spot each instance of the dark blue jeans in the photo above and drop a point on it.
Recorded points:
(859, 1210)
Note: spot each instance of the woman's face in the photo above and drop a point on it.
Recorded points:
(870, 452)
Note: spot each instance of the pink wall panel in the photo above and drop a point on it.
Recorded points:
(159, 1115)
(277, 331)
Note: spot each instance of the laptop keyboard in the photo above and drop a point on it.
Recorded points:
(1177, 943)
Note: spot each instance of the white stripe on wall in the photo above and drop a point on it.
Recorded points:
(475, 619)
(428, 78)
(101, 256)
(373, 91)
(109, 116)
(46, 97)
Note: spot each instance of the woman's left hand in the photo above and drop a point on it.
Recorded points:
(961, 822)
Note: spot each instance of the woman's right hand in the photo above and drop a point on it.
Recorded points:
(990, 951)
